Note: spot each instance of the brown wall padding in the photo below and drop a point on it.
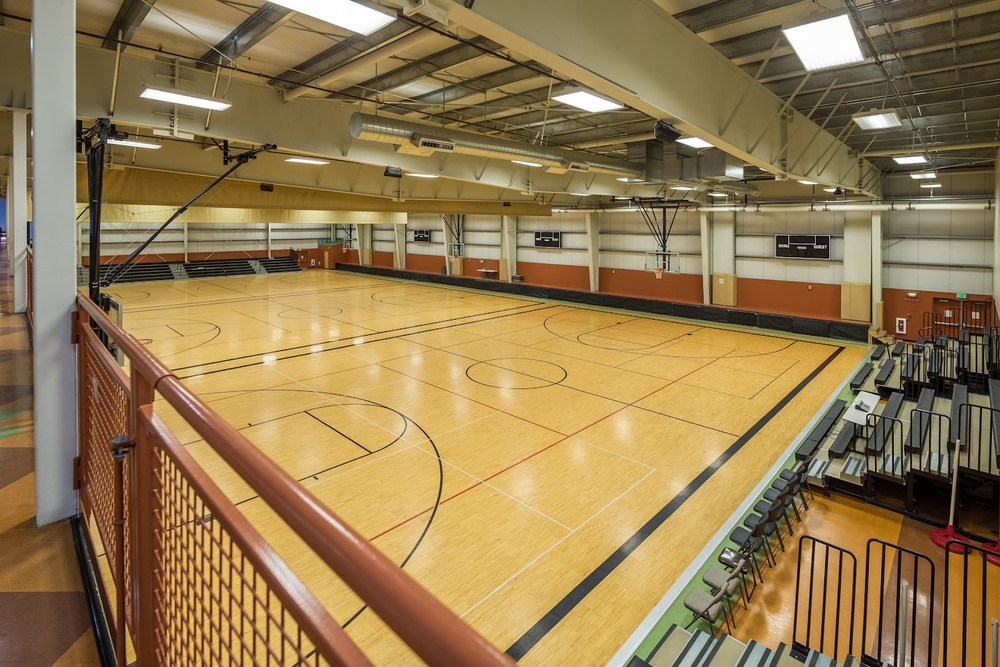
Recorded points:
(555, 275)
(425, 263)
(789, 298)
(682, 287)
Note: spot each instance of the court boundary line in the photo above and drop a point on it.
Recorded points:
(543, 626)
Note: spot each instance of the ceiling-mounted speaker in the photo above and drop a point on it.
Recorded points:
(665, 132)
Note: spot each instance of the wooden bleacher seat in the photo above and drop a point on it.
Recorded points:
(920, 423)
(876, 441)
(859, 378)
(819, 432)
(959, 397)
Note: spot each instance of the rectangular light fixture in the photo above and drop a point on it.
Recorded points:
(694, 142)
(877, 119)
(930, 185)
(830, 190)
(824, 40)
(718, 194)
(923, 175)
(133, 144)
(626, 179)
(306, 160)
(360, 17)
(910, 159)
(181, 97)
(681, 187)
(807, 182)
(582, 99)
(421, 175)
(526, 164)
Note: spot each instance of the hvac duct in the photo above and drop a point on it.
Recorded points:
(405, 133)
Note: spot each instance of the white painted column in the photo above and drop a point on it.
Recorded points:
(185, 242)
(399, 256)
(267, 228)
(364, 244)
(449, 238)
(877, 269)
(996, 229)
(53, 123)
(508, 246)
(856, 284)
(17, 218)
(594, 250)
(706, 256)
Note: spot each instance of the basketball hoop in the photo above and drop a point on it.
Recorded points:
(658, 273)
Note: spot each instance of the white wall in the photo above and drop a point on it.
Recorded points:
(431, 221)
(625, 240)
(940, 250)
(573, 227)
(482, 236)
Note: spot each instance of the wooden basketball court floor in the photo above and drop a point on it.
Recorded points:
(547, 470)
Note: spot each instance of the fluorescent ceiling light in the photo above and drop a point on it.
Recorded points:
(181, 97)
(694, 142)
(421, 175)
(526, 164)
(807, 182)
(827, 40)
(830, 190)
(923, 175)
(133, 144)
(360, 17)
(718, 194)
(626, 179)
(581, 99)
(910, 159)
(306, 160)
(681, 187)
(877, 119)
(930, 185)
(580, 194)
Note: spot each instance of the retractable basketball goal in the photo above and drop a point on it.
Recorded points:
(663, 262)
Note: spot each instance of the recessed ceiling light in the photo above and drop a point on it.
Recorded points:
(923, 175)
(825, 40)
(718, 194)
(421, 175)
(306, 160)
(582, 99)
(181, 97)
(526, 164)
(694, 142)
(361, 17)
(910, 159)
(930, 185)
(877, 119)
(133, 144)
(807, 182)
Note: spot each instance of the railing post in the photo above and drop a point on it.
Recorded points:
(996, 644)
(119, 448)
(142, 516)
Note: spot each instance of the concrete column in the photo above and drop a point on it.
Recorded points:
(996, 230)
(724, 287)
(594, 250)
(508, 246)
(877, 269)
(855, 302)
(267, 232)
(17, 218)
(185, 227)
(447, 224)
(364, 244)
(399, 257)
(706, 256)
(53, 123)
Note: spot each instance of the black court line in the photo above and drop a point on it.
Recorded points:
(340, 433)
(538, 631)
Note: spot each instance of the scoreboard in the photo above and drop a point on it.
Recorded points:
(801, 246)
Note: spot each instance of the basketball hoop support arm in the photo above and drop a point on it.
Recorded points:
(238, 161)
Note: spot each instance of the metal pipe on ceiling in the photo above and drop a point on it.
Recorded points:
(935, 149)
(401, 132)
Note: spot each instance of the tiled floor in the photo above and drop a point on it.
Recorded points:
(43, 615)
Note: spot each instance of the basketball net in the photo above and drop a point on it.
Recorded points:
(658, 273)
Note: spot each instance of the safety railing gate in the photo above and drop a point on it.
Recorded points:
(980, 431)
(972, 602)
(898, 611)
(189, 580)
(826, 583)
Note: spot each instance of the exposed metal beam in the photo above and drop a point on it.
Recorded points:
(130, 16)
(949, 148)
(256, 27)
(478, 85)
(724, 12)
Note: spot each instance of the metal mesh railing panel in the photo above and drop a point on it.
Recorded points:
(211, 603)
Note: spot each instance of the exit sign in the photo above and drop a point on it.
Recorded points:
(960, 295)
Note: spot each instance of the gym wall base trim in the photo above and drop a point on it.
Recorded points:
(786, 323)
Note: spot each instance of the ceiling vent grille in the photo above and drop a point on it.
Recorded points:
(432, 144)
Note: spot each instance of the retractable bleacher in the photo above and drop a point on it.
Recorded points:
(820, 431)
(920, 423)
(876, 441)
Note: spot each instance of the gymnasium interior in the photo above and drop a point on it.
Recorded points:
(494, 332)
